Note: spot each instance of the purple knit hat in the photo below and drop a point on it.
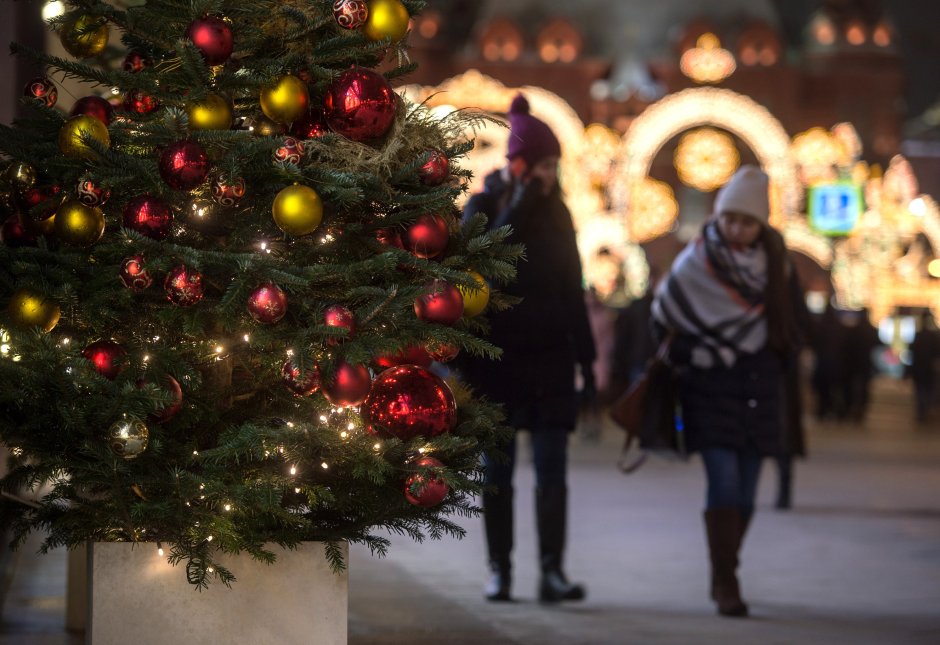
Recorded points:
(529, 137)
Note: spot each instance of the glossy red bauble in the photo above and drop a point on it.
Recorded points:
(428, 236)
(442, 304)
(135, 62)
(14, 234)
(390, 237)
(443, 352)
(44, 199)
(267, 304)
(350, 14)
(436, 169)
(301, 382)
(149, 216)
(227, 192)
(138, 102)
(348, 386)
(426, 490)
(407, 401)
(360, 105)
(172, 386)
(291, 151)
(342, 318)
(106, 356)
(42, 90)
(133, 274)
(310, 126)
(90, 194)
(184, 165)
(213, 37)
(183, 286)
(413, 355)
(93, 106)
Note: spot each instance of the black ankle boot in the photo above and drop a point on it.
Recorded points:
(556, 588)
(497, 516)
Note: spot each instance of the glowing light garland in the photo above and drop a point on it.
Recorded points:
(707, 62)
(706, 158)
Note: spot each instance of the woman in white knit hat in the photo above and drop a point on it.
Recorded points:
(731, 303)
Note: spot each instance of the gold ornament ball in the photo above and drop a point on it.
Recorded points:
(286, 100)
(72, 131)
(128, 438)
(20, 175)
(84, 35)
(475, 300)
(28, 309)
(387, 19)
(265, 127)
(78, 224)
(211, 113)
(297, 210)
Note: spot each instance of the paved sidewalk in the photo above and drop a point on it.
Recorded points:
(856, 561)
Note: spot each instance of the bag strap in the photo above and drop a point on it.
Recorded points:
(628, 461)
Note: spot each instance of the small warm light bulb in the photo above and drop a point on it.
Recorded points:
(210, 569)
(421, 450)
(377, 446)
(918, 207)
(323, 418)
(52, 9)
(293, 470)
(202, 487)
(227, 507)
(160, 550)
(290, 424)
(343, 434)
(297, 490)
(325, 465)
(66, 341)
(146, 357)
(209, 539)
(195, 453)
(351, 426)
(247, 338)
(219, 349)
(290, 352)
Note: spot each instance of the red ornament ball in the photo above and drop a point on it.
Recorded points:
(184, 165)
(212, 37)
(340, 317)
(301, 382)
(135, 62)
(348, 386)
(227, 192)
(360, 105)
(310, 126)
(90, 194)
(443, 352)
(93, 106)
(436, 169)
(106, 357)
(42, 90)
(149, 216)
(413, 355)
(183, 286)
(442, 304)
(427, 236)
(389, 237)
(14, 234)
(138, 102)
(350, 14)
(408, 401)
(291, 151)
(267, 304)
(133, 274)
(44, 199)
(169, 411)
(426, 490)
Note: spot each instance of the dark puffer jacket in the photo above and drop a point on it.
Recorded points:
(544, 336)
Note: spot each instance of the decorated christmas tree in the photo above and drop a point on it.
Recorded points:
(225, 275)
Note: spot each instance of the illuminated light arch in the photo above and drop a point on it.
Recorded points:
(722, 108)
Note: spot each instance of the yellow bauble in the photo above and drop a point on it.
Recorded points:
(28, 309)
(265, 127)
(297, 210)
(20, 175)
(84, 35)
(78, 224)
(475, 300)
(387, 19)
(71, 132)
(128, 438)
(286, 100)
(211, 113)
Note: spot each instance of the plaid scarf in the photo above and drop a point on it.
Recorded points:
(715, 294)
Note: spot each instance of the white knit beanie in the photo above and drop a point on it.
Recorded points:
(746, 192)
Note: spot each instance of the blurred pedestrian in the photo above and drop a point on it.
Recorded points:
(859, 343)
(827, 338)
(729, 303)
(542, 338)
(925, 354)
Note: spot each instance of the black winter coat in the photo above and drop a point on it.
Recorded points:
(545, 335)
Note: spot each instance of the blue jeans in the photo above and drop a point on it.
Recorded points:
(732, 477)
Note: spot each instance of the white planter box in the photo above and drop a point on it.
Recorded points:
(135, 596)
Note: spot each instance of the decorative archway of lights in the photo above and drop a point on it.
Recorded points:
(737, 114)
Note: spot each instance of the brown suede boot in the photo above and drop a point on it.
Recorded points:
(724, 529)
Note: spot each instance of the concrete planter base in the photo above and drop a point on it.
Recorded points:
(135, 596)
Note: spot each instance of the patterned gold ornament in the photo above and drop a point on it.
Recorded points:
(210, 113)
(84, 36)
(387, 19)
(475, 300)
(297, 210)
(28, 309)
(20, 175)
(70, 136)
(286, 100)
(128, 438)
(78, 224)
